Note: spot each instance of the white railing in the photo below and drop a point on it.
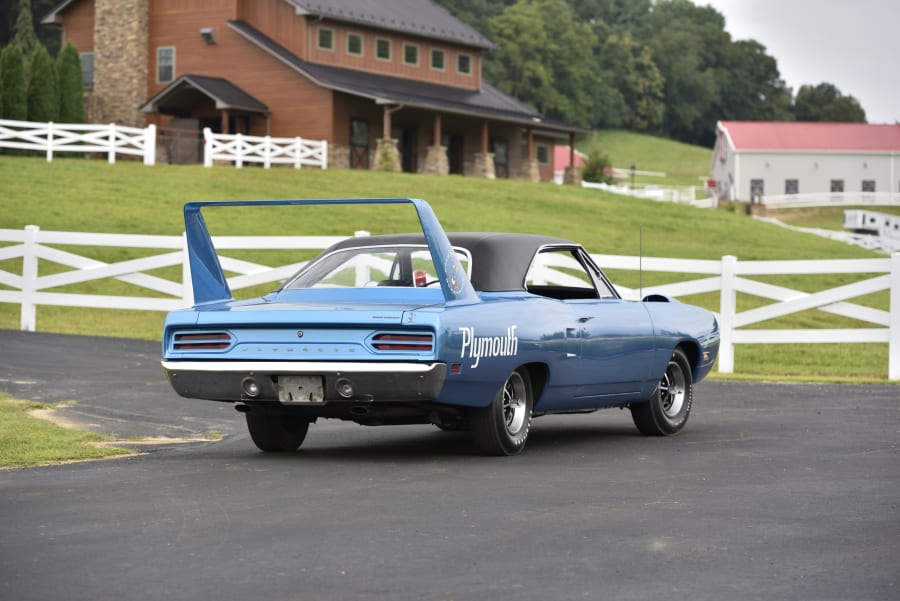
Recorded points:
(52, 138)
(685, 194)
(265, 150)
(728, 276)
(830, 199)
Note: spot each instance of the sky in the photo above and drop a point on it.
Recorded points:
(853, 44)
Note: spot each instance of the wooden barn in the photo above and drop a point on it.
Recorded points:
(402, 77)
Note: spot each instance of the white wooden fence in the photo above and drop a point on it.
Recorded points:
(728, 276)
(265, 150)
(830, 199)
(52, 138)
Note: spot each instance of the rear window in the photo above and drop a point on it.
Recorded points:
(371, 266)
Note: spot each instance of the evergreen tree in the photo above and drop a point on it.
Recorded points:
(12, 84)
(26, 38)
(43, 89)
(71, 86)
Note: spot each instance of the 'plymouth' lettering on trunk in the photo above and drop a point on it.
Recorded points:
(476, 347)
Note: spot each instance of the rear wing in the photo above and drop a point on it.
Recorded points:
(210, 284)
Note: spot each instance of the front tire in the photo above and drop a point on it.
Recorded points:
(667, 411)
(502, 427)
(276, 432)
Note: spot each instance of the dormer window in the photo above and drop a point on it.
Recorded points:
(464, 64)
(354, 44)
(325, 39)
(437, 59)
(411, 55)
(383, 49)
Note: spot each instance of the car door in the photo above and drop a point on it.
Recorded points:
(611, 339)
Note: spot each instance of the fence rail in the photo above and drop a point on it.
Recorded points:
(264, 150)
(52, 138)
(728, 276)
(830, 199)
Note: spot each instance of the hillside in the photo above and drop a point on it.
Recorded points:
(92, 196)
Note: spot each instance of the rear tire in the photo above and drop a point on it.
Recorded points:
(502, 427)
(667, 411)
(276, 432)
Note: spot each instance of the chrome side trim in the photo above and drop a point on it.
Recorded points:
(298, 367)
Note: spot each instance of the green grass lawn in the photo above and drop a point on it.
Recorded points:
(92, 196)
(28, 441)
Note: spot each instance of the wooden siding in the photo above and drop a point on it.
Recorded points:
(278, 21)
(339, 57)
(78, 26)
(291, 97)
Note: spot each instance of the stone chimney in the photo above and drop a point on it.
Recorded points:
(120, 61)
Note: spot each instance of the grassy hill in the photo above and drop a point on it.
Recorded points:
(92, 196)
(683, 164)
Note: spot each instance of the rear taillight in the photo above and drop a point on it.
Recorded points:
(213, 341)
(403, 342)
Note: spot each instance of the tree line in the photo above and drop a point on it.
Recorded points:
(665, 67)
(33, 85)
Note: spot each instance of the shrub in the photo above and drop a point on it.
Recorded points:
(71, 86)
(598, 168)
(12, 84)
(43, 89)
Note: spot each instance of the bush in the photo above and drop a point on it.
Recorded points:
(12, 84)
(43, 89)
(598, 168)
(71, 85)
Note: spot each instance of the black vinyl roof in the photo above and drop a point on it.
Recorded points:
(180, 93)
(383, 89)
(418, 17)
(500, 261)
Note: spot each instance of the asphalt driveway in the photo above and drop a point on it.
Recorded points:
(772, 492)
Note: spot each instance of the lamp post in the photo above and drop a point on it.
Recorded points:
(632, 176)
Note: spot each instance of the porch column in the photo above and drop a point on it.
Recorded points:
(225, 121)
(436, 162)
(387, 155)
(530, 169)
(572, 176)
(484, 160)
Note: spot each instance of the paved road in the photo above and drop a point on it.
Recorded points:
(772, 492)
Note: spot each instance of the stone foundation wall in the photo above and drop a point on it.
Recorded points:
(530, 170)
(387, 156)
(484, 165)
(120, 61)
(436, 162)
(338, 156)
(572, 176)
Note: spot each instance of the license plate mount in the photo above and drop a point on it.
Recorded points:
(301, 390)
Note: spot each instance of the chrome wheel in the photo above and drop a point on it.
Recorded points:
(672, 390)
(515, 405)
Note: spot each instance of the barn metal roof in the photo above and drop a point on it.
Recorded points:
(811, 136)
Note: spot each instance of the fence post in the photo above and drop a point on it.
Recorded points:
(207, 147)
(727, 310)
(187, 284)
(894, 330)
(28, 319)
(150, 145)
(267, 152)
(239, 151)
(50, 142)
(297, 149)
(324, 154)
(111, 152)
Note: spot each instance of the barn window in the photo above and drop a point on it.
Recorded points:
(354, 44)
(383, 49)
(868, 185)
(325, 38)
(165, 64)
(791, 186)
(543, 154)
(837, 185)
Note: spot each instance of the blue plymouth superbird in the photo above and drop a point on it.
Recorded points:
(468, 331)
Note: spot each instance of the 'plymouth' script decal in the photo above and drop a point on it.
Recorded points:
(476, 347)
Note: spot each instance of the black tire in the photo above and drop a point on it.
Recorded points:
(276, 432)
(668, 409)
(502, 427)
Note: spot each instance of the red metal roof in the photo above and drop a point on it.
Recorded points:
(769, 135)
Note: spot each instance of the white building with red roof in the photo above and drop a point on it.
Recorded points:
(810, 163)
